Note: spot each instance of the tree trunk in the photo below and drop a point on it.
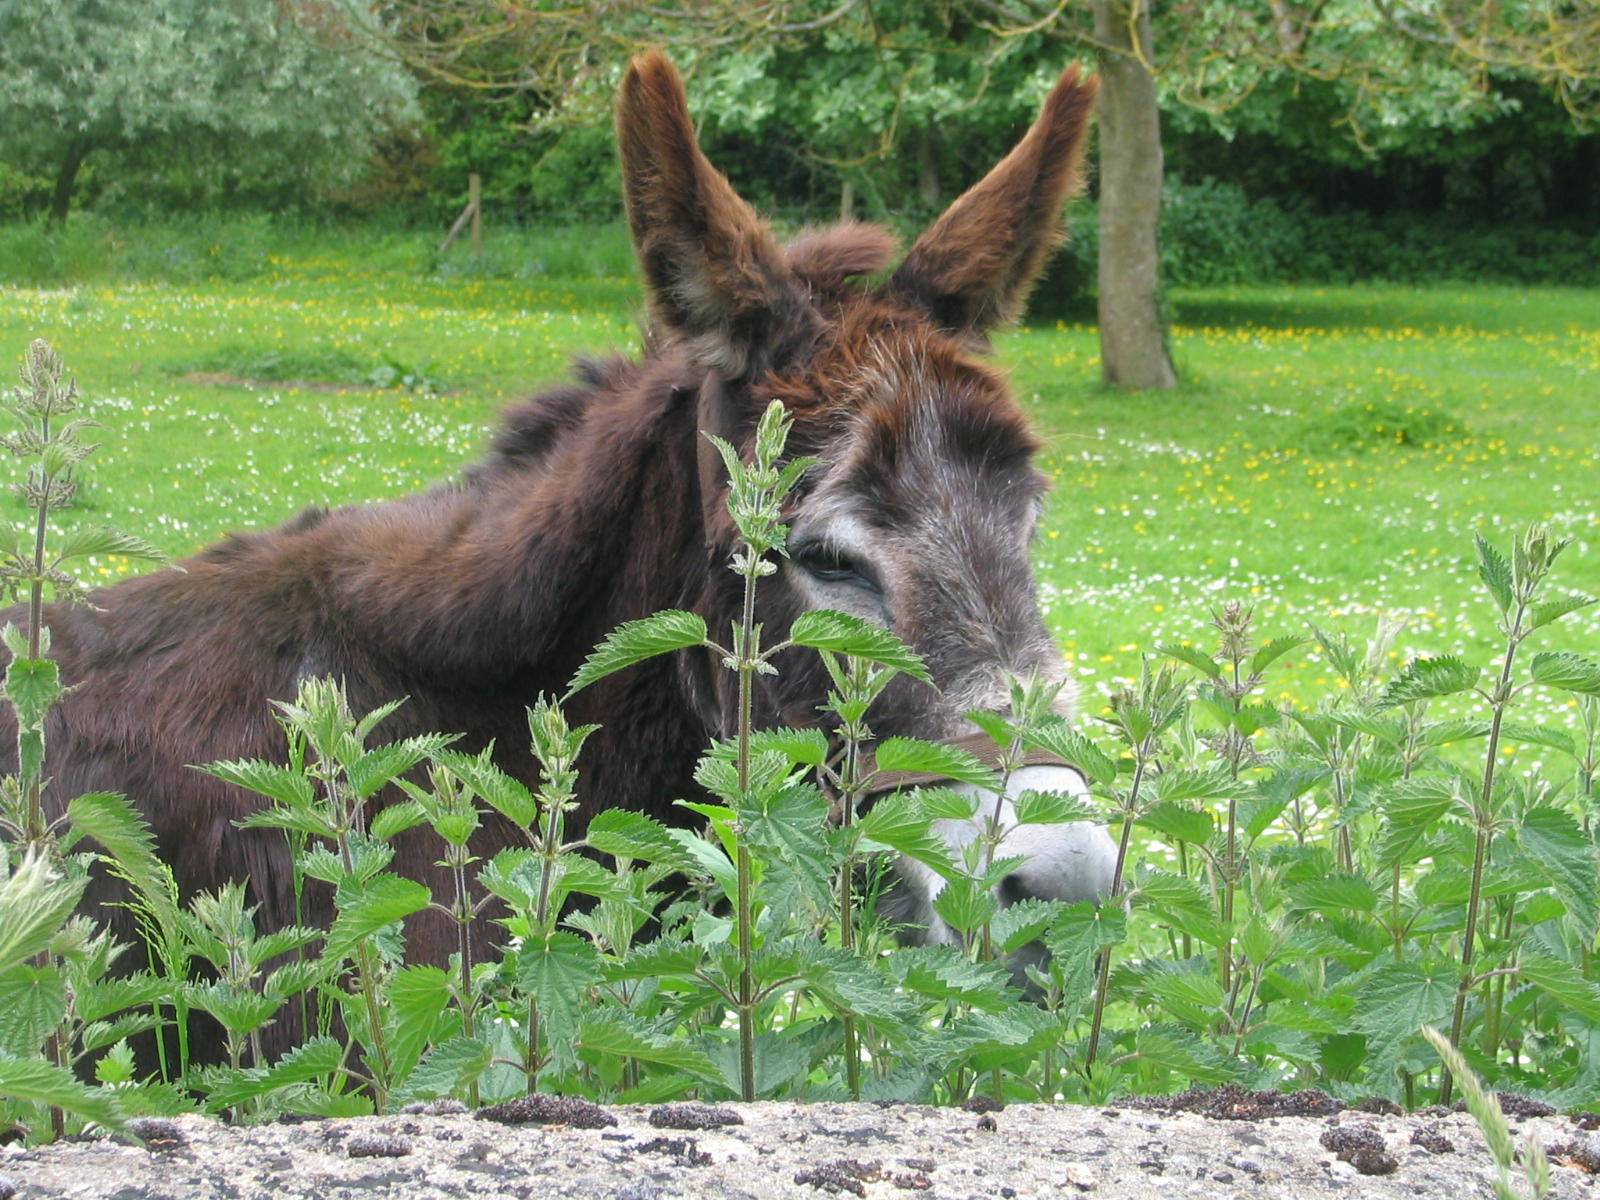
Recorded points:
(66, 180)
(1133, 344)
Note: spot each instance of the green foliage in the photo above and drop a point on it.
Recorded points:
(185, 84)
(1299, 893)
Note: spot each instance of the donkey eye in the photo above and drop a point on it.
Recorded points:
(831, 564)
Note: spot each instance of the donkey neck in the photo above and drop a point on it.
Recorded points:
(517, 572)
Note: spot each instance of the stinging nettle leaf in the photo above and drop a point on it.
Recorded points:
(662, 633)
(1495, 573)
(1427, 678)
(935, 758)
(1272, 652)
(1194, 656)
(841, 633)
(1076, 749)
(1567, 671)
(1546, 611)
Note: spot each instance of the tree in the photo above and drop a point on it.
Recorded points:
(293, 84)
(860, 89)
(1133, 343)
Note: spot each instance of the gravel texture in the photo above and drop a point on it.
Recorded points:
(784, 1151)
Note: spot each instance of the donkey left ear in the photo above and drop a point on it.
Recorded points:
(715, 273)
(974, 267)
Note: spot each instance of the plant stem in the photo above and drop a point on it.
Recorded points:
(1116, 890)
(747, 661)
(1225, 956)
(847, 930)
(1483, 819)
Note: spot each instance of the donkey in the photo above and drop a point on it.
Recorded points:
(597, 504)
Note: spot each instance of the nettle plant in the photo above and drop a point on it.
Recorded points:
(64, 1015)
(1299, 894)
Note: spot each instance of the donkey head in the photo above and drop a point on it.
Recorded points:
(922, 512)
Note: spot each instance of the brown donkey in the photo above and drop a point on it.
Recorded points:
(596, 506)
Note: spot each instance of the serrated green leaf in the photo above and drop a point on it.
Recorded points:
(110, 820)
(842, 633)
(1196, 783)
(661, 633)
(1540, 735)
(1394, 1001)
(1191, 995)
(1049, 808)
(1340, 890)
(935, 758)
(617, 1034)
(945, 973)
(33, 1001)
(417, 999)
(1179, 823)
(709, 859)
(947, 804)
(449, 1068)
(1429, 678)
(1567, 671)
(559, 972)
(35, 900)
(665, 958)
(35, 1081)
(394, 819)
(789, 832)
(508, 796)
(32, 685)
(901, 823)
(1546, 611)
(1552, 838)
(320, 1056)
(1272, 651)
(1391, 731)
(383, 900)
(780, 1059)
(802, 747)
(1495, 573)
(1194, 656)
(1076, 939)
(272, 780)
(1178, 1050)
(1075, 748)
(90, 539)
(623, 833)
(1016, 925)
(375, 769)
(963, 905)
(1443, 733)
(1564, 983)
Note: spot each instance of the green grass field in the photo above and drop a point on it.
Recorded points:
(1329, 455)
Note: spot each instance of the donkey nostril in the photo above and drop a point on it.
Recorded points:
(1012, 891)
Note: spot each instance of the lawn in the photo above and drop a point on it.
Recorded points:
(1328, 457)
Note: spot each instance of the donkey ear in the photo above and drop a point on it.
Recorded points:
(974, 267)
(715, 274)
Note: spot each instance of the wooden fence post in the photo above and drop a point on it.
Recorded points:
(474, 198)
(473, 212)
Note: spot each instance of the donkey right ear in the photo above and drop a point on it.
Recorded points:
(714, 272)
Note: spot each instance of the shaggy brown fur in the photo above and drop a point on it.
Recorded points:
(591, 509)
